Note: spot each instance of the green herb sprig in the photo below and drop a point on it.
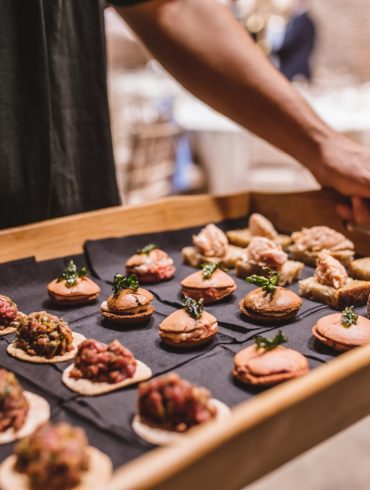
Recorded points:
(209, 269)
(349, 317)
(193, 308)
(147, 249)
(71, 274)
(267, 283)
(270, 344)
(121, 282)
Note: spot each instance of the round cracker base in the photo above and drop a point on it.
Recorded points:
(269, 380)
(128, 319)
(23, 356)
(256, 318)
(95, 478)
(12, 327)
(73, 301)
(223, 294)
(38, 413)
(89, 388)
(189, 344)
(7, 331)
(332, 343)
(161, 437)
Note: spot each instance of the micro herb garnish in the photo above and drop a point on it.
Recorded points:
(268, 284)
(209, 269)
(349, 317)
(71, 274)
(147, 249)
(270, 344)
(193, 308)
(121, 282)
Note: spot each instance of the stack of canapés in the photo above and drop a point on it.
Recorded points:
(58, 457)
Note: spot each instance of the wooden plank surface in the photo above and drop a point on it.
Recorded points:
(66, 236)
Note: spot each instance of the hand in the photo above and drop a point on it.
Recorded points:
(345, 167)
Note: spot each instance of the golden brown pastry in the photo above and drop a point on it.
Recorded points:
(258, 226)
(73, 287)
(188, 327)
(343, 331)
(263, 253)
(211, 246)
(128, 304)
(360, 269)
(268, 363)
(270, 303)
(331, 284)
(210, 284)
(309, 242)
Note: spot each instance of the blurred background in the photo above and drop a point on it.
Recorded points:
(168, 142)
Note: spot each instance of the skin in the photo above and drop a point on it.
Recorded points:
(209, 52)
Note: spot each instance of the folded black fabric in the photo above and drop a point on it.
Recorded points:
(25, 282)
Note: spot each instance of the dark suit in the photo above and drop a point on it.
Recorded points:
(295, 52)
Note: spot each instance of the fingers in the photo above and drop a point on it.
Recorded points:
(359, 212)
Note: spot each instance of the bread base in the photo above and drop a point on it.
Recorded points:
(162, 437)
(289, 272)
(38, 414)
(189, 344)
(269, 380)
(309, 258)
(202, 293)
(95, 478)
(71, 301)
(360, 269)
(87, 387)
(23, 356)
(128, 319)
(259, 318)
(354, 293)
(192, 257)
(242, 238)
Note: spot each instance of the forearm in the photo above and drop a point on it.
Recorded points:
(206, 49)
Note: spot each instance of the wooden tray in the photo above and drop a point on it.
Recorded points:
(274, 426)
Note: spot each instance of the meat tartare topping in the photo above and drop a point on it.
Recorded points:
(103, 363)
(319, 238)
(53, 457)
(13, 404)
(211, 241)
(329, 271)
(261, 226)
(174, 404)
(43, 334)
(265, 253)
(8, 311)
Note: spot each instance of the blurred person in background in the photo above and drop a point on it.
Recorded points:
(296, 46)
(55, 142)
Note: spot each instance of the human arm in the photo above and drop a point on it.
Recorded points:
(209, 52)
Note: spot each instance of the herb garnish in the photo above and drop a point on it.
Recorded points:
(209, 269)
(71, 274)
(349, 317)
(147, 249)
(270, 344)
(193, 308)
(121, 282)
(269, 283)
